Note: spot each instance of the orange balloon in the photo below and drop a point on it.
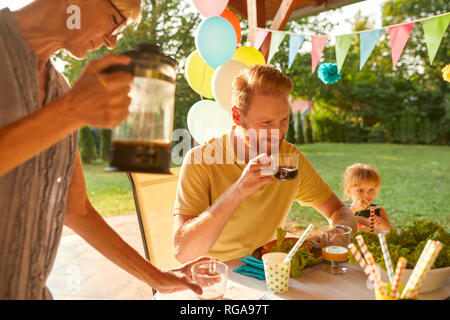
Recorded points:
(235, 22)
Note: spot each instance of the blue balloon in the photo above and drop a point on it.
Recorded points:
(216, 41)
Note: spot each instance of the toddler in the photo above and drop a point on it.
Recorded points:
(361, 186)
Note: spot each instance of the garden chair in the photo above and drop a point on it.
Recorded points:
(154, 197)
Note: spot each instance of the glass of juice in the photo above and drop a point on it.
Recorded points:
(333, 242)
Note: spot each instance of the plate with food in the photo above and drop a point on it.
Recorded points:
(308, 255)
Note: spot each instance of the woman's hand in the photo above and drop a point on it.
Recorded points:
(91, 103)
(178, 279)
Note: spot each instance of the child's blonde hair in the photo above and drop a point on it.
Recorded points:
(261, 79)
(358, 172)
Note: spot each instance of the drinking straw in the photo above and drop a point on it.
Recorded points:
(362, 262)
(426, 261)
(298, 244)
(401, 265)
(372, 220)
(416, 268)
(371, 262)
(387, 256)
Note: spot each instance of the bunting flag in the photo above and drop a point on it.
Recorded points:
(277, 38)
(434, 30)
(367, 40)
(295, 42)
(318, 44)
(398, 36)
(342, 45)
(260, 36)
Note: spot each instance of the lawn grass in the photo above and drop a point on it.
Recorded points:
(415, 181)
(110, 193)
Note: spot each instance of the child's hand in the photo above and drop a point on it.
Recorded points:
(359, 205)
(381, 224)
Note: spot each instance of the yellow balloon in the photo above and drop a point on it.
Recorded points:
(199, 74)
(249, 56)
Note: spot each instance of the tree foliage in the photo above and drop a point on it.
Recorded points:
(406, 105)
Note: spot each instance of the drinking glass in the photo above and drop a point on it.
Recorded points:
(285, 165)
(334, 240)
(212, 277)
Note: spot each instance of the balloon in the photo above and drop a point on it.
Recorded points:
(206, 119)
(199, 74)
(235, 22)
(222, 80)
(215, 41)
(210, 8)
(249, 56)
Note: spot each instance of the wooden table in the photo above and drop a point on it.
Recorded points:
(314, 284)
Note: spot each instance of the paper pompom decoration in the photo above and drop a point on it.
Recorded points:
(446, 73)
(328, 73)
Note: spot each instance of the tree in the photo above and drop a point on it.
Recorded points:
(105, 144)
(308, 129)
(300, 134)
(86, 144)
(378, 96)
(290, 135)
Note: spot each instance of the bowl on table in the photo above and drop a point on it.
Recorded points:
(434, 279)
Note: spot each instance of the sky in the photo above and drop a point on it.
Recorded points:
(370, 8)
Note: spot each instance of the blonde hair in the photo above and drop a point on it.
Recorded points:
(261, 79)
(357, 173)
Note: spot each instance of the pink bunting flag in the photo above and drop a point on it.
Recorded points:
(318, 44)
(260, 36)
(398, 36)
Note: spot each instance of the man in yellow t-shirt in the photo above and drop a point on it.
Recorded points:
(226, 204)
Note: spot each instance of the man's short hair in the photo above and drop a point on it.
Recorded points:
(260, 79)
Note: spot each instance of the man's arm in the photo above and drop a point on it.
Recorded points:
(337, 212)
(82, 218)
(196, 235)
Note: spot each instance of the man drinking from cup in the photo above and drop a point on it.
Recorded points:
(228, 200)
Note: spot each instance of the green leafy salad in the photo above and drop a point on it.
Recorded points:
(301, 259)
(409, 243)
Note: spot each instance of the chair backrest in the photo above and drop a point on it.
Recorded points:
(154, 197)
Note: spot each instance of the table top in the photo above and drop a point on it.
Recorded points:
(313, 284)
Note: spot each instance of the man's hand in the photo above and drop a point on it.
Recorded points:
(252, 178)
(90, 103)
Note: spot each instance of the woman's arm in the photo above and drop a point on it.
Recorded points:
(88, 103)
(82, 218)
(23, 139)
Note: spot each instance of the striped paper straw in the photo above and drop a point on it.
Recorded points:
(426, 261)
(372, 220)
(401, 265)
(298, 244)
(416, 268)
(362, 262)
(387, 256)
(371, 262)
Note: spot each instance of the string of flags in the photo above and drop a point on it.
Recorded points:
(434, 29)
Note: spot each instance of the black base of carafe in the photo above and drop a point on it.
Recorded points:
(140, 158)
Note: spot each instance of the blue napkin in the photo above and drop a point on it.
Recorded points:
(252, 267)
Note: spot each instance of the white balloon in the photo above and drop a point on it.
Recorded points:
(222, 80)
(206, 119)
